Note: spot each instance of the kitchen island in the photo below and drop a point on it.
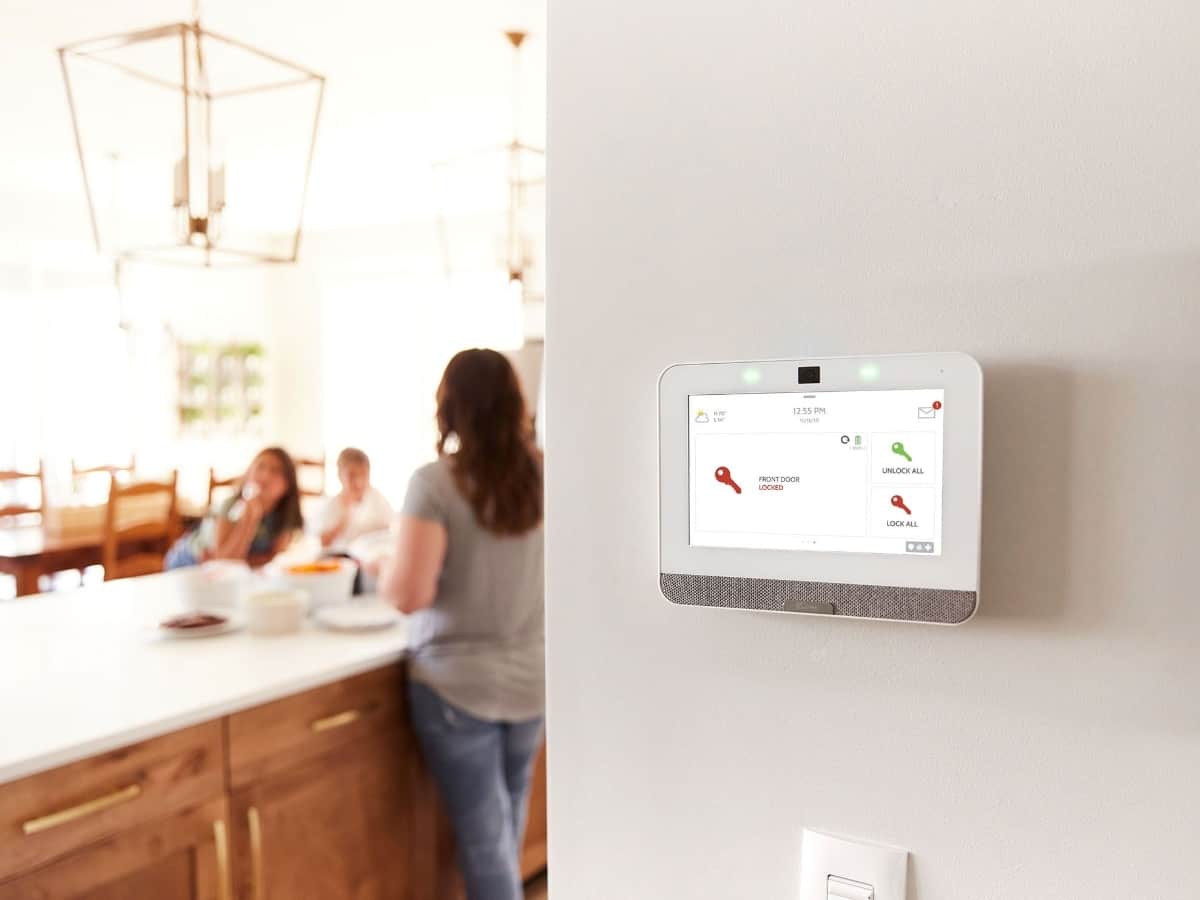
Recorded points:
(227, 767)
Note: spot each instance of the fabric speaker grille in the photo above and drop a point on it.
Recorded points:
(861, 600)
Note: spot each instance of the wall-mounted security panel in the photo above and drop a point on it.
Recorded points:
(845, 486)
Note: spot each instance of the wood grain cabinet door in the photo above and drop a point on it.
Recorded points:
(53, 814)
(335, 828)
(182, 857)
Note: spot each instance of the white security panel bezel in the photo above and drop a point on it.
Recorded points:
(959, 375)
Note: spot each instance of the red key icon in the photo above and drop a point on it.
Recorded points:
(723, 476)
(898, 502)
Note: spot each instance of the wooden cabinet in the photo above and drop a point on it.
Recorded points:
(331, 829)
(324, 805)
(49, 815)
(319, 796)
(275, 737)
(182, 857)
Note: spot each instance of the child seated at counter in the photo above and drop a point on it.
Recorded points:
(253, 525)
(358, 509)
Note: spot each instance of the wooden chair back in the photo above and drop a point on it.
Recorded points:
(310, 474)
(84, 478)
(215, 484)
(78, 471)
(23, 509)
(136, 541)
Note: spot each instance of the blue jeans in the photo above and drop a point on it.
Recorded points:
(181, 554)
(483, 770)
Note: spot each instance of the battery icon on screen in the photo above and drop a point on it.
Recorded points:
(858, 440)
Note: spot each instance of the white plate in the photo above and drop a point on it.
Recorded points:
(230, 625)
(357, 617)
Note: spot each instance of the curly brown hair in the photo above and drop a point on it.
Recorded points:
(497, 465)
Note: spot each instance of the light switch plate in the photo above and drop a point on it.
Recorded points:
(884, 869)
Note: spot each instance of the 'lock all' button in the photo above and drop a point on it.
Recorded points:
(907, 514)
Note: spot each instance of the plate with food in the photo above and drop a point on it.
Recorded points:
(198, 624)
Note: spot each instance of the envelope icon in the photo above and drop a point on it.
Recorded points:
(926, 412)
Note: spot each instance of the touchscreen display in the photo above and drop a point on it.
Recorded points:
(841, 471)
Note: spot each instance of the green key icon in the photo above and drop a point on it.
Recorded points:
(898, 449)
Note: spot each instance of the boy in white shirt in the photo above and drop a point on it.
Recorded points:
(357, 510)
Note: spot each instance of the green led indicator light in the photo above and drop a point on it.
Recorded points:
(751, 376)
(869, 372)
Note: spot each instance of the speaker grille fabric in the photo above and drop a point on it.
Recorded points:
(862, 600)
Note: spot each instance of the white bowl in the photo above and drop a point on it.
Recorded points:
(323, 588)
(211, 585)
(275, 611)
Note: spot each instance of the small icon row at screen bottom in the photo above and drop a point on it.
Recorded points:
(918, 546)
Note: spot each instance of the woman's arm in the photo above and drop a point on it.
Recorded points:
(409, 579)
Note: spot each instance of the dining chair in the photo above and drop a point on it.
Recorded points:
(15, 512)
(314, 467)
(25, 509)
(216, 484)
(82, 476)
(140, 523)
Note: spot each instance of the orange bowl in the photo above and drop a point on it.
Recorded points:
(325, 581)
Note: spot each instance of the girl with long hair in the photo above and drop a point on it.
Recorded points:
(253, 525)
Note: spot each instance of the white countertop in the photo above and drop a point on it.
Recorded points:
(85, 671)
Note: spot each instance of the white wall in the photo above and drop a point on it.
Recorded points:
(1018, 180)
(167, 304)
(364, 326)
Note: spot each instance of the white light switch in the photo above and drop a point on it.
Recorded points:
(833, 868)
(845, 889)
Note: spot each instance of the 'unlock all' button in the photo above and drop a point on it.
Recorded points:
(903, 458)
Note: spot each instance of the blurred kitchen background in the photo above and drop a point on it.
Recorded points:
(409, 139)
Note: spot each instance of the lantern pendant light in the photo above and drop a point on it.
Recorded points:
(214, 138)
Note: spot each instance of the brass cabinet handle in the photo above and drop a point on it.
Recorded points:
(74, 813)
(256, 858)
(335, 721)
(221, 840)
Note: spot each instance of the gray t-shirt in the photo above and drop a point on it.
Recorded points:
(481, 646)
